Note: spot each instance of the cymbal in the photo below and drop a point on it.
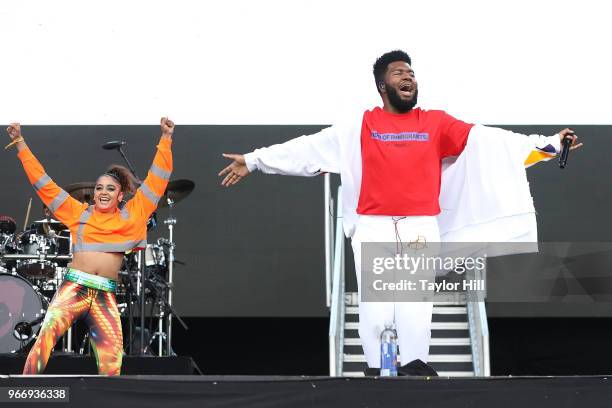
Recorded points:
(47, 221)
(82, 191)
(177, 191)
(51, 223)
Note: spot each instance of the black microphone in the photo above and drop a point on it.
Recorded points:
(115, 144)
(567, 141)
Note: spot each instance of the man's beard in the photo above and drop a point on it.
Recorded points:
(400, 104)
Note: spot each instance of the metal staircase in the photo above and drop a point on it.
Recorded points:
(459, 338)
(450, 352)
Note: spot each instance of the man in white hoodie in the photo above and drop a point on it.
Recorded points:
(390, 163)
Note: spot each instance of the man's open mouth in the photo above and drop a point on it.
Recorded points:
(406, 89)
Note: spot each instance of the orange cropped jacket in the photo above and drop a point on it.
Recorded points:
(91, 230)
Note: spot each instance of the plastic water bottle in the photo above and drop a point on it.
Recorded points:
(388, 352)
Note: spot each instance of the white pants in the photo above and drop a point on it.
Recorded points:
(412, 319)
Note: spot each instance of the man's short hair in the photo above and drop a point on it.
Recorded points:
(381, 64)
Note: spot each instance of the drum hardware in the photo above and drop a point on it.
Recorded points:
(161, 289)
(176, 191)
(23, 330)
(84, 344)
(50, 225)
(171, 222)
(32, 243)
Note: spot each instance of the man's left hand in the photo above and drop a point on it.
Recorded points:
(567, 132)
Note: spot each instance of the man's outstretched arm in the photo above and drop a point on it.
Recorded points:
(546, 148)
(303, 156)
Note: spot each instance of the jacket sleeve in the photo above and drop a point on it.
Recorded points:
(64, 207)
(154, 186)
(308, 155)
(542, 148)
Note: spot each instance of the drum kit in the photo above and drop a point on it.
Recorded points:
(33, 263)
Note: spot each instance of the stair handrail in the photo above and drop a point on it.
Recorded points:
(336, 318)
(328, 217)
(479, 331)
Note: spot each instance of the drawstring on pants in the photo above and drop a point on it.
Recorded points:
(399, 247)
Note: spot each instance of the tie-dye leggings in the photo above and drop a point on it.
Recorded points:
(98, 308)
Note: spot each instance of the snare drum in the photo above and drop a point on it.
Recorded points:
(19, 302)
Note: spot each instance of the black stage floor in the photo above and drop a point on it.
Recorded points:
(68, 364)
(241, 391)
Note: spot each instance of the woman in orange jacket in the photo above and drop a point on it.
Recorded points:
(101, 234)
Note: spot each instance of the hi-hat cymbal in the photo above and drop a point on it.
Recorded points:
(82, 191)
(177, 190)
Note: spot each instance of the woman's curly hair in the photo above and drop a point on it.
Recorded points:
(124, 176)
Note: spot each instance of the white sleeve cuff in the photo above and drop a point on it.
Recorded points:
(556, 142)
(250, 162)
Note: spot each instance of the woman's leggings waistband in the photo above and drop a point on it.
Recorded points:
(90, 281)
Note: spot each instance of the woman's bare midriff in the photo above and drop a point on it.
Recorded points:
(105, 264)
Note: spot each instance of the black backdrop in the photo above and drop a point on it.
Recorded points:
(257, 249)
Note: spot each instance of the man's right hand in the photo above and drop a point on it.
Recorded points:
(236, 171)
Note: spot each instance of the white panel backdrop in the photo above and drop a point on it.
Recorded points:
(300, 61)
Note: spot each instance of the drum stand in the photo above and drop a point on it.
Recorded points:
(67, 339)
(161, 289)
(140, 290)
(170, 222)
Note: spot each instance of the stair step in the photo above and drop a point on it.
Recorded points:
(435, 358)
(460, 341)
(434, 326)
(436, 310)
(456, 373)
(353, 374)
(458, 299)
(450, 310)
(443, 366)
(433, 350)
(436, 317)
(435, 334)
(441, 374)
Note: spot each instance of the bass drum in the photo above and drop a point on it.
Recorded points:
(19, 302)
